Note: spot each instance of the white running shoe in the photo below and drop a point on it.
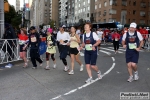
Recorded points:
(81, 68)
(41, 64)
(71, 72)
(47, 68)
(90, 79)
(130, 79)
(99, 75)
(136, 77)
(66, 68)
(54, 66)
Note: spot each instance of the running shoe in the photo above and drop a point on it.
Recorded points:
(136, 77)
(99, 75)
(90, 79)
(34, 67)
(130, 79)
(25, 65)
(66, 68)
(71, 72)
(81, 68)
(41, 64)
(47, 68)
(54, 66)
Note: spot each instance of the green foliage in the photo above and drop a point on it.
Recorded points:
(51, 23)
(12, 17)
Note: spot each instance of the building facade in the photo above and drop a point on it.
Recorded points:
(17, 5)
(123, 11)
(62, 13)
(54, 11)
(84, 10)
(40, 12)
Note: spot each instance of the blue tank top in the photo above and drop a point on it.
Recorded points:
(90, 40)
(132, 39)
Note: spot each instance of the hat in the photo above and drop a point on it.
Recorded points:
(32, 28)
(50, 30)
(64, 26)
(133, 25)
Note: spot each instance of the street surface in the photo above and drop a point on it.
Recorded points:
(55, 84)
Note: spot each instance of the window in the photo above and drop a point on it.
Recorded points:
(105, 4)
(95, 0)
(112, 11)
(134, 3)
(87, 14)
(99, 5)
(88, 1)
(124, 2)
(83, 9)
(104, 13)
(104, 20)
(88, 8)
(79, 5)
(95, 7)
(142, 13)
(134, 12)
(113, 2)
(84, 3)
(129, 20)
(142, 21)
(143, 4)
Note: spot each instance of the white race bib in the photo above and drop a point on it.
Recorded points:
(116, 39)
(88, 47)
(132, 45)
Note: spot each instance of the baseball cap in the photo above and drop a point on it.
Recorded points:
(133, 25)
(63, 26)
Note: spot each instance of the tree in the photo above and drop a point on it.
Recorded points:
(51, 23)
(12, 17)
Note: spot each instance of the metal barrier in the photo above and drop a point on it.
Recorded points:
(9, 51)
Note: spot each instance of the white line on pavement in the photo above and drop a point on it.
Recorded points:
(113, 59)
(87, 84)
(108, 53)
(119, 49)
(110, 50)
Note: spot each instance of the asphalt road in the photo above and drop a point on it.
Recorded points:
(55, 84)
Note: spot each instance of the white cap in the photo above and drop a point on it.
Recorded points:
(133, 25)
(64, 26)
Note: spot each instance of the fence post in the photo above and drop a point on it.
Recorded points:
(1, 18)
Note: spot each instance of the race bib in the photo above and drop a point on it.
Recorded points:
(132, 45)
(88, 47)
(33, 39)
(116, 39)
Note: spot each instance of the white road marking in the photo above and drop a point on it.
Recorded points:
(119, 49)
(87, 84)
(113, 59)
(110, 50)
(105, 52)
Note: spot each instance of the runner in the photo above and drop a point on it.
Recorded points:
(63, 39)
(100, 35)
(51, 50)
(90, 42)
(74, 45)
(34, 40)
(115, 39)
(132, 41)
(23, 41)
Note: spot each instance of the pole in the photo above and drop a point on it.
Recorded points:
(1, 18)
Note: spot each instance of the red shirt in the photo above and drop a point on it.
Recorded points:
(115, 36)
(23, 37)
